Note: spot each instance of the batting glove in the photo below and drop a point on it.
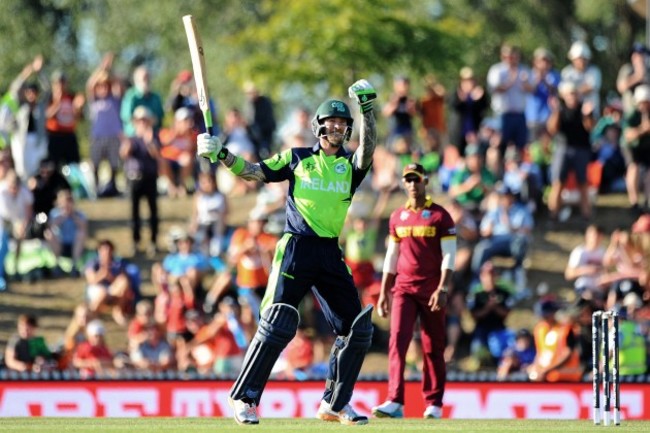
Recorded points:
(364, 93)
(208, 146)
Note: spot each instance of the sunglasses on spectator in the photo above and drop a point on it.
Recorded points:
(414, 179)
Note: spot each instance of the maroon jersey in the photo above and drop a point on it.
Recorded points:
(419, 233)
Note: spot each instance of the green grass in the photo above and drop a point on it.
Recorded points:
(225, 425)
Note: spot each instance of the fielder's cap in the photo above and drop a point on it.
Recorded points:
(466, 73)
(543, 53)
(183, 113)
(578, 50)
(414, 168)
(143, 113)
(472, 150)
(642, 94)
(95, 327)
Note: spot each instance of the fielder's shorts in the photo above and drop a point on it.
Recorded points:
(303, 263)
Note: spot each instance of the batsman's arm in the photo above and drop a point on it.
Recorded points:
(367, 140)
(242, 168)
(211, 147)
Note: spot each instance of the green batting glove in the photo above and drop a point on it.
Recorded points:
(364, 93)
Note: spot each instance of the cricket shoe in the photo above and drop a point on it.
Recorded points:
(245, 413)
(433, 412)
(389, 409)
(346, 416)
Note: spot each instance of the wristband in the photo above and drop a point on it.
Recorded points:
(223, 153)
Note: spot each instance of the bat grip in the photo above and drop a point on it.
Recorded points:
(207, 118)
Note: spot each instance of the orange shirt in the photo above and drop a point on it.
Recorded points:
(65, 119)
(432, 108)
(252, 269)
(174, 145)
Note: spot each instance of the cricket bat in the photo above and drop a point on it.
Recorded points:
(198, 66)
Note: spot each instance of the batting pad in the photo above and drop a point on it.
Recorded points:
(347, 357)
(277, 327)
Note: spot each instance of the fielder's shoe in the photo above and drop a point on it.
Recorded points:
(389, 409)
(433, 412)
(346, 416)
(244, 413)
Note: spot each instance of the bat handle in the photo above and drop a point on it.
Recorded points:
(207, 118)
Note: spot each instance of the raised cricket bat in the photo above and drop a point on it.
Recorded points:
(198, 65)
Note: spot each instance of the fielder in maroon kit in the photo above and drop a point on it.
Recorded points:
(417, 271)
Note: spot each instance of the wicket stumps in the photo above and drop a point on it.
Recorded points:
(601, 330)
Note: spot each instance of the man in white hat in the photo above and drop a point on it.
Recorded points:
(586, 76)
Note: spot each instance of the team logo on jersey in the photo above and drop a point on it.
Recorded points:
(426, 214)
(404, 215)
(310, 166)
(340, 168)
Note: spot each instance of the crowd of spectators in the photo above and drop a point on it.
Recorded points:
(525, 144)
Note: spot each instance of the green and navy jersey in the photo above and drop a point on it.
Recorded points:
(320, 188)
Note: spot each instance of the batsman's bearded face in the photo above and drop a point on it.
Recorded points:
(335, 129)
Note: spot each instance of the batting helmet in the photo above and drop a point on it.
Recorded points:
(328, 109)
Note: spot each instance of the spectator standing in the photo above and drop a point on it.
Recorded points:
(260, 120)
(141, 95)
(16, 213)
(571, 121)
(631, 75)
(178, 153)
(183, 94)
(636, 135)
(67, 230)
(104, 102)
(431, 108)
(74, 335)
(27, 351)
(23, 119)
(401, 109)
(45, 187)
(470, 101)
(297, 130)
(417, 273)
(586, 77)
(509, 84)
(63, 112)
(141, 152)
(545, 82)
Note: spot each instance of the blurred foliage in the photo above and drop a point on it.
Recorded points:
(304, 50)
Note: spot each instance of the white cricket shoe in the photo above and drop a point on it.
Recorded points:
(433, 412)
(389, 409)
(244, 413)
(346, 416)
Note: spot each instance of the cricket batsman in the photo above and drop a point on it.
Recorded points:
(322, 180)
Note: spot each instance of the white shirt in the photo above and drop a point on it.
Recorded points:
(580, 256)
(14, 208)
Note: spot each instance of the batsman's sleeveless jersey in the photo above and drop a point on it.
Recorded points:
(419, 232)
(320, 188)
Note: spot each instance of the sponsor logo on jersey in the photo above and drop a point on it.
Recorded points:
(426, 214)
(404, 215)
(416, 231)
(340, 168)
(341, 186)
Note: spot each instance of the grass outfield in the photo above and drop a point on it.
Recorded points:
(224, 425)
